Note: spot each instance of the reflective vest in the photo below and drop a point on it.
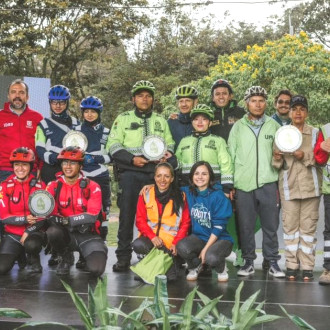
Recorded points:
(326, 169)
(166, 224)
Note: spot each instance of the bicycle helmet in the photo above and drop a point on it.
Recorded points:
(91, 102)
(59, 92)
(22, 154)
(186, 91)
(202, 109)
(221, 83)
(255, 91)
(72, 153)
(143, 85)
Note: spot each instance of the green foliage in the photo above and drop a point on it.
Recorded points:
(292, 62)
(13, 312)
(298, 321)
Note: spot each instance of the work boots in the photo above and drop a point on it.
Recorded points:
(63, 268)
(35, 266)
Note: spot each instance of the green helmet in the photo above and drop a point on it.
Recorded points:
(186, 91)
(143, 85)
(255, 91)
(202, 109)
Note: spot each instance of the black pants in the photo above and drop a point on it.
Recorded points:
(189, 249)
(90, 246)
(11, 248)
(130, 184)
(104, 182)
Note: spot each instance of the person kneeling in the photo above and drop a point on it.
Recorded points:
(162, 217)
(210, 210)
(74, 224)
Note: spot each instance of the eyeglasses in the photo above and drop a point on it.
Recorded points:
(55, 102)
(69, 162)
(283, 101)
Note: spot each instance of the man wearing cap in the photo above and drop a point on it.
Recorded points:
(282, 106)
(180, 124)
(322, 157)
(226, 112)
(255, 180)
(126, 142)
(299, 186)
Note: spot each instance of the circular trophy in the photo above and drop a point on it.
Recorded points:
(75, 139)
(153, 147)
(41, 203)
(288, 138)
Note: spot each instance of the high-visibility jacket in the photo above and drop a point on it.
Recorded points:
(150, 219)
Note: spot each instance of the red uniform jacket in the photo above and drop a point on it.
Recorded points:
(321, 156)
(14, 208)
(17, 131)
(80, 202)
(146, 230)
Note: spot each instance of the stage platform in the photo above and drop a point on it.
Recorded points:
(45, 299)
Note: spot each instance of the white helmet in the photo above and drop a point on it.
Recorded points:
(255, 91)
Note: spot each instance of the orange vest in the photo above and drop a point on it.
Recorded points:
(170, 223)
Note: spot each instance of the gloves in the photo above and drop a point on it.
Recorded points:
(89, 159)
(53, 158)
(58, 220)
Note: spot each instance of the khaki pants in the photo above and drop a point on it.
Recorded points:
(299, 226)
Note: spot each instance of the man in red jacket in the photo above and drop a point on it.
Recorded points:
(74, 224)
(21, 229)
(18, 124)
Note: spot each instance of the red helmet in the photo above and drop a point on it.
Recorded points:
(72, 153)
(22, 154)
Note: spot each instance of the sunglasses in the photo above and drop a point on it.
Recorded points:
(283, 101)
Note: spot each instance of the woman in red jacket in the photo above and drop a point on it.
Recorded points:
(21, 229)
(162, 216)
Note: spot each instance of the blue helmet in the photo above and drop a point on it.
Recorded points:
(91, 102)
(59, 92)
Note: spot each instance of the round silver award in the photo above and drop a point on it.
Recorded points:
(41, 203)
(288, 138)
(154, 147)
(75, 139)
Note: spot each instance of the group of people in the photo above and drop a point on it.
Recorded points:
(216, 157)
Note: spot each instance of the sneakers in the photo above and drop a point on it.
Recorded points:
(275, 270)
(325, 277)
(307, 275)
(193, 273)
(120, 266)
(291, 274)
(223, 277)
(247, 269)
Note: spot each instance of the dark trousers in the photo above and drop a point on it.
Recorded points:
(326, 233)
(130, 184)
(264, 202)
(104, 182)
(189, 248)
(11, 249)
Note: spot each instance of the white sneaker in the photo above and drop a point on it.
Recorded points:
(223, 277)
(275, 269)
(193, 273)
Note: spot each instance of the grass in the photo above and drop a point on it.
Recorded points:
(112, 233)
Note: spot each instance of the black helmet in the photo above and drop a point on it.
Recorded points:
(221, 83)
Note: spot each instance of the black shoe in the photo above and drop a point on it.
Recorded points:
(35, 266)
(138, 278)
(206, 270)
(63, 268)
(265, 264)
(81, 263)
(307, 275)
(121, 266)
(53, 260)
(291, 274)
(22, 260)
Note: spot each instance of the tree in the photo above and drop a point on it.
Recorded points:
(53, 38)
(292, 62)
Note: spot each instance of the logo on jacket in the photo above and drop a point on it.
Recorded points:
(29, 124)
(211, 145)
(158, 126)
(8, 124)
(269, 137)
(201, 214)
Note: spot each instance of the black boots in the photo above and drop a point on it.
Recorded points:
(65, 259)
(35, 266)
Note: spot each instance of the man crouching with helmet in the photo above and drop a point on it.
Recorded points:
(21, 229)
(74, 224)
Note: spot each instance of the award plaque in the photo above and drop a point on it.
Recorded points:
(154, 147)
(288, 138)
(41, 203)
(75, 139)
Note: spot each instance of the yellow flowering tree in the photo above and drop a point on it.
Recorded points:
(292, 62)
